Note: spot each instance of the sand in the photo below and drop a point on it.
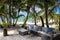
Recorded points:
(14, 35)
(19, 37)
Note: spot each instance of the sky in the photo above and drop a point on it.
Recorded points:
(24, 13)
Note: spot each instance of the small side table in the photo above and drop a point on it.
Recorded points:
(23, 31)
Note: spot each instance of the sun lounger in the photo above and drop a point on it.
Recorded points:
(45, 33)
(33, 29)
(49, 36)
(34, 32)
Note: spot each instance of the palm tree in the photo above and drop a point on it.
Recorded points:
(4, 15)
(42, 21)
(15, 16)
(46, 6)
(17, 4)
(28, 6)
(46, 12)
(55, 16)
(34, 3)
(35, 15)
(31, 4)
(26, 16)
(59, 19)
(9, 3)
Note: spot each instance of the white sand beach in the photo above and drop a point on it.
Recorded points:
(14, 35)
(19, 37)
(10, 32)
(40, 24)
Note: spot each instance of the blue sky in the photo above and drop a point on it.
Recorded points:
(24, 13)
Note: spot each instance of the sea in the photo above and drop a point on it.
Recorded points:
(22, 19)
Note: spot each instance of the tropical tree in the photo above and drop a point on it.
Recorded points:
(36, 3)
(59, 13)
(28, 6)
(15, 16)
(47, 4)
(4, 17)
(16, 5)
(42, 21)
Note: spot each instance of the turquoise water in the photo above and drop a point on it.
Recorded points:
(22, 19)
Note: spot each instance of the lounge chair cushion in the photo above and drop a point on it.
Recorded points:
(48, 30)
(39, 28)
(31, 26)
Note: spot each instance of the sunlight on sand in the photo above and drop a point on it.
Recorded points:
(9, 32)
(1, 33)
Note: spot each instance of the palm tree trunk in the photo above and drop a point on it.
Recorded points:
(5, 32)
(46, 12)
(13, 22)
(34, 14)
(35, 18)
(59, 23)
(42, 21)
(26, 19)
(18, 14)
(59, 19)
(10, 10)
(27, 16)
